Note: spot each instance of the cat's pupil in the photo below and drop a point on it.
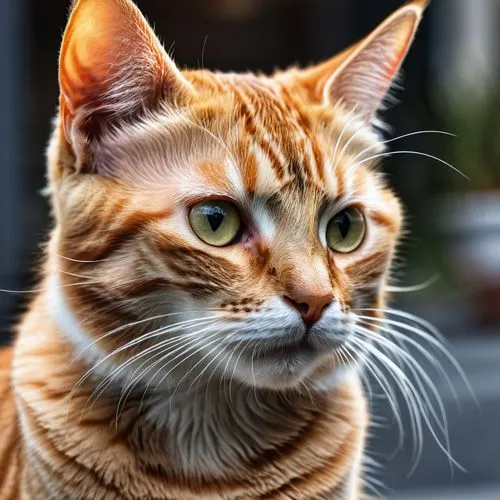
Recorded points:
(215, 218)
(343, 221)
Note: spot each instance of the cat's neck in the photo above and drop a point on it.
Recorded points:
(220, 429)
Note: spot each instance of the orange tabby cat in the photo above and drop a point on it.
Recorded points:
(215, 238)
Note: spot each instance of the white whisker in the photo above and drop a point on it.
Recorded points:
(437, 342)
(439, 348)
(124, 327)
(418, 400)
(417, 371)
(147, 336)
(81, 261)
(382, 381)
(108, 380)
(349, 142)
(418, 132)
(341, 135)
(403, 385)
(412, 288)
(417, 153)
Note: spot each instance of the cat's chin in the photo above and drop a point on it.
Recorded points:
(286, 367)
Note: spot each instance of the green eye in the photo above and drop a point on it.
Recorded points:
(216, 222)
(346, 230)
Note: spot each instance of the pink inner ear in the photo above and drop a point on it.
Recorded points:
(90, 46)
(394, 66)
(83, 81)
(365, 77)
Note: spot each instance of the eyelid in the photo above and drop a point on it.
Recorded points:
(191, 201)
(334, 208)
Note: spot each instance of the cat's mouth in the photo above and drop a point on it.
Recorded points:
(283, 364)
(303, 347)
(301, 344)
(283, 357)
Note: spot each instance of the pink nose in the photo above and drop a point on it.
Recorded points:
(310, 307)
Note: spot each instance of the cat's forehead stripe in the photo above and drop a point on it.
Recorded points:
(260, 136)
(274, 160)
(304, 131)
(285, 136)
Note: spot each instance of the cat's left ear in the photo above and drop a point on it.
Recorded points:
(361, 77)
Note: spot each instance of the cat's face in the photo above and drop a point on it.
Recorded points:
(215, 225)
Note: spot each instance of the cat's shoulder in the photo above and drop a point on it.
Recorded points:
(10, 438)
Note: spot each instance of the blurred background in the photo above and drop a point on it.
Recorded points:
(452, 84)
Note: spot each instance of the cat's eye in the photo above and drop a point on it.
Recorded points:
(346, 230)
(216, 222)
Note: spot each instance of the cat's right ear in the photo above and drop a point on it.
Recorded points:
(112, 67)
(360, 78)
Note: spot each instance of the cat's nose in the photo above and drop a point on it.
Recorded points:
(310, 307)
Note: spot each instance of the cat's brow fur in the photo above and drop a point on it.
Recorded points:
(137, 142)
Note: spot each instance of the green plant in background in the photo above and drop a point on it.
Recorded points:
(476, 150)
(474, 117)
(466, 225)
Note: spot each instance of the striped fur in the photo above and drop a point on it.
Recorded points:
(106, 395)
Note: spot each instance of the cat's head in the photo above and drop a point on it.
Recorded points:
(218, 225)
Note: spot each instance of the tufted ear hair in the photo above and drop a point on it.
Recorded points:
(112, 67)
(361, 77)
